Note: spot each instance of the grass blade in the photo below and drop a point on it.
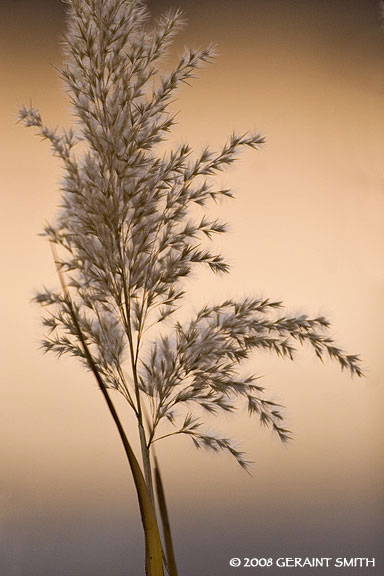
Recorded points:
(171, 561)
(153, 548)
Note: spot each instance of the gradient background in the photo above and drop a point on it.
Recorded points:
(306, 228)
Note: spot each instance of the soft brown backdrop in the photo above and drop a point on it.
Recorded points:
(306, 227)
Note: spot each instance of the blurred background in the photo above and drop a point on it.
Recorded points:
(306, 228)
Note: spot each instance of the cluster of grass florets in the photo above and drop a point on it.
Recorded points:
(127, 235)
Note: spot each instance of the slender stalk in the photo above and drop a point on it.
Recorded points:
(142, 436)
(146, 461)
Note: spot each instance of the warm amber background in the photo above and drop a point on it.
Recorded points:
(306, 228)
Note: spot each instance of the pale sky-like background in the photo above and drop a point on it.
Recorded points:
(306, 228)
